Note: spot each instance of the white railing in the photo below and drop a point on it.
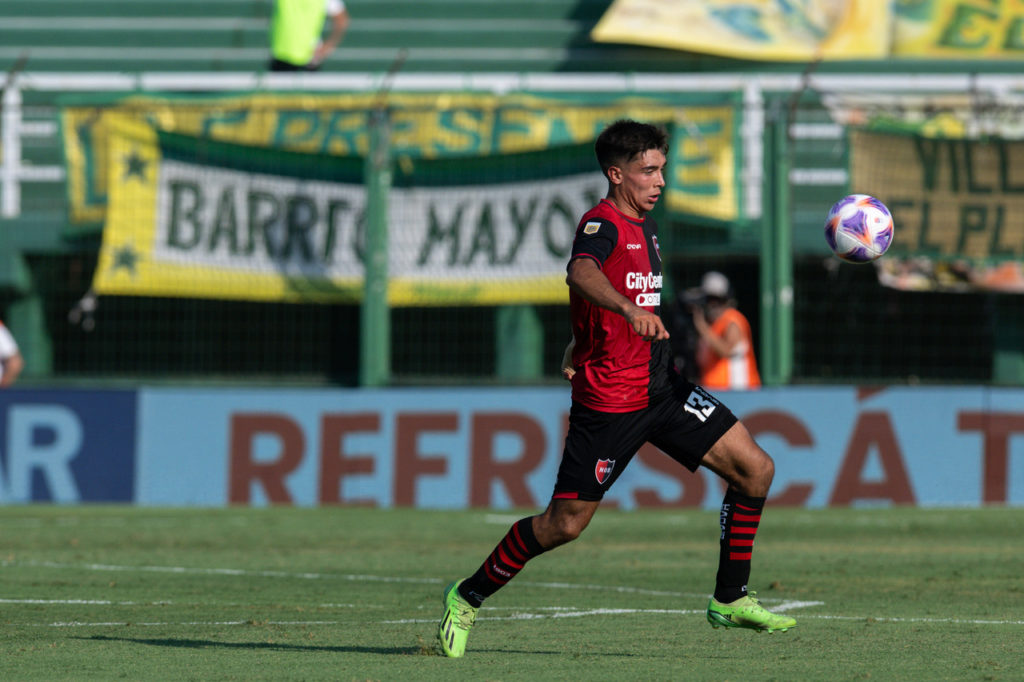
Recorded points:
(14, 170)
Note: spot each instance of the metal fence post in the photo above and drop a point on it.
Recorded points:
(776, 254)
(375, 317)
(10, 148)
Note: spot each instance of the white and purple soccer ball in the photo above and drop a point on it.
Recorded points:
(859, 228)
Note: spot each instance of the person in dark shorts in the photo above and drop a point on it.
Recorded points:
(626, 392)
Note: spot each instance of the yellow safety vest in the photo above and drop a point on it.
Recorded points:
(295, 30)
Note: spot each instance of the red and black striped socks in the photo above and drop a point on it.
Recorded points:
(517, 547)
(739, 519)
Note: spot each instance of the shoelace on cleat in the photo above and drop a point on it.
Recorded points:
(465, 616)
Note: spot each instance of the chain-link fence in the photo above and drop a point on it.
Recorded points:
(483, 196)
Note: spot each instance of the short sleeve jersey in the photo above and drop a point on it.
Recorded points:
(616, 370)
(8, 346)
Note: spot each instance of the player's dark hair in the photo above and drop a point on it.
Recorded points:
(624, 140)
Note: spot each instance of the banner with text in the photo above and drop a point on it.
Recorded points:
(497, 448)
(959, 29)
(190, 217)
(949, 197)
(778, 30)
(67, 446)
(705, 149)
(753, 29)
(500, 448)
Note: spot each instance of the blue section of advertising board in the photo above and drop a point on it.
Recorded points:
(500, 448)
(496, 448)
(67, 446)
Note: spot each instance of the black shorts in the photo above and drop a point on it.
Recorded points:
(599, 445)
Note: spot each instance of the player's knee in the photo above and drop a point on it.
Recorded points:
(767, 469)
(560, 529)
(758, 474)
(568, 529)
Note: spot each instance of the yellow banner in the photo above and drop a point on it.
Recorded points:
(705, 160)
(960, 29)
(949, 198)
(191, 218)
(704, 164)
(774, 30)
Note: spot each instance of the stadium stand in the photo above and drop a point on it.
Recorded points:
(231, 35)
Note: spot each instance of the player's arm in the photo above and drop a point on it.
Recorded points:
(568, 371)
(12, 368)
(587, 280)
(339, 25)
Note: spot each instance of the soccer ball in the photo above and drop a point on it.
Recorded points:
(858, 228)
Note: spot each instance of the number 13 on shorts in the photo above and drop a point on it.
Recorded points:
(700, 404)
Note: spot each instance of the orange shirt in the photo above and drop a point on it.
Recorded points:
(737, 371)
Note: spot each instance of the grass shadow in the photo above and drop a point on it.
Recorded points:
(181, 643)
(422, 650)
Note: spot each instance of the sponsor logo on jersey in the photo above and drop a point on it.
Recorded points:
(633, 247)
(648, 299)
(591, 227)
(643, 281)
(603, 470)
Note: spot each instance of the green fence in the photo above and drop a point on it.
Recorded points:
(817, 320)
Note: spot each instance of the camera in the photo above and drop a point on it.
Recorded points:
(693, 297)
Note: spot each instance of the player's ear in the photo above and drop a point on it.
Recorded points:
(614, 174)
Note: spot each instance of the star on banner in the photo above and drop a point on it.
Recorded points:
(125, 257)
(135, 165)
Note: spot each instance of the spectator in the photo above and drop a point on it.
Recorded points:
(11, 361)
(725, 346)
(296, 29)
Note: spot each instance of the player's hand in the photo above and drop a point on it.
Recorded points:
(647, 325)
(568, 371)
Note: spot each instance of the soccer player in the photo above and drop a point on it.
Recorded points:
(625, 392)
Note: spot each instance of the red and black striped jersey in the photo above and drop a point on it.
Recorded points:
(616, 370)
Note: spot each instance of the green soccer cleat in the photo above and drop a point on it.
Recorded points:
(456, 621)
(747, 612)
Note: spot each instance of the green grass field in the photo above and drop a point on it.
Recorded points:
(106, 593)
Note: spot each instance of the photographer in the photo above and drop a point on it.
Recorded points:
(725, 345)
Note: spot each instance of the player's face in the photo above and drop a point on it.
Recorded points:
(637, 185)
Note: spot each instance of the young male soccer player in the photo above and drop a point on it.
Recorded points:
(625, 393)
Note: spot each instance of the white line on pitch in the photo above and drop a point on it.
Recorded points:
(87, 602)
(526, 614)
(215, 623)
(341, 576)
(912, 619)
(532, 615)
(183, 570)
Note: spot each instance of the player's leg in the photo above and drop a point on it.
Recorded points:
(749, 471)
(561, 522)
(462, 599)
(741, 462)
(697, 429)
(598, 447)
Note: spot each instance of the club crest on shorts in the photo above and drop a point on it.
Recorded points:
(603, 470)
